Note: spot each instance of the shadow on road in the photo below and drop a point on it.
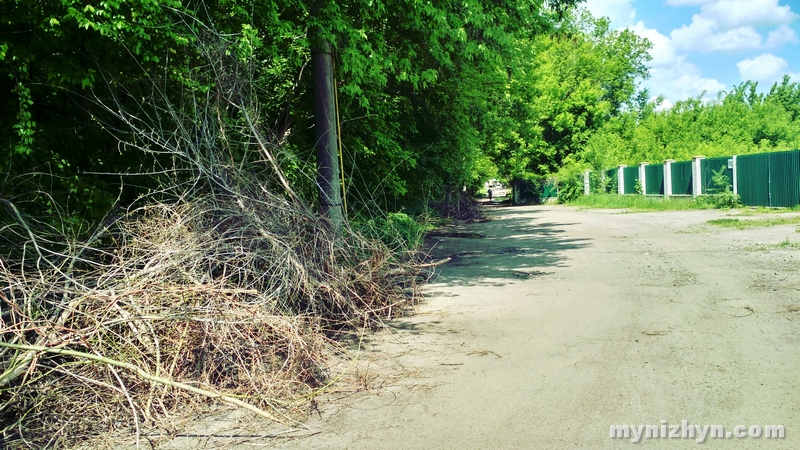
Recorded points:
(516, 244)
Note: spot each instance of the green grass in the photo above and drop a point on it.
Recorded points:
(637, 203)
(765, 210)
(754, 223)
(783, 245)
(787, 244)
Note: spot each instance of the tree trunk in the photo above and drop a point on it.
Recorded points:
(330, 198)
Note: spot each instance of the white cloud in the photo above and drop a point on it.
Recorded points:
(729, 25)
(781, 36)
(730, 14)
(662, 51)
(680, 81)
(687, 2)
(620, 12)
(671, 75)
(704, 35)
(765, 68)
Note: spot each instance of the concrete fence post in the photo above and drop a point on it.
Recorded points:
(643, 177)
(697, 176)
(668, 177)
(735, 178)
(587, 185)
(621, 179)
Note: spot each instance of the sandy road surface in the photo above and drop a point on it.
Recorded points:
(550, 324)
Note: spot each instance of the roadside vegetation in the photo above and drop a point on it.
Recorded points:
(649, 203)
(635, 203)
(742, 224)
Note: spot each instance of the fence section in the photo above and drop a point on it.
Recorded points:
(784, 170)
(682, 178)
(763, 179)
(631, 176)
(710, 166)
(753, 179)
(654, 179)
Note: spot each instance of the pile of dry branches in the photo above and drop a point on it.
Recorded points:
(222, 286)
(218, 297)
(225, 297)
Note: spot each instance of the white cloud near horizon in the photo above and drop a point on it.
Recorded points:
(765, 68)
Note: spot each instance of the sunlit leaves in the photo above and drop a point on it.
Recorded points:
(565, 87)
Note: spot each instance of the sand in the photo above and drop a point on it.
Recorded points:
(550, 325)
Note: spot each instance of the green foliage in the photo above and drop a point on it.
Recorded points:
(25, 126)
(397, 230)
(724, 200)
(612, 185)
(637, 187)
(417, 83)
(564, 87)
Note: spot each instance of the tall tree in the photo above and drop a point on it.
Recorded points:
(565, 87)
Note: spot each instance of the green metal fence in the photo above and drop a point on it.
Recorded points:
(752, 173)
(631, 175)
(763, 179)
(681, 178)
(709, 167)
(550, 189)
(769, 179)
(611, 181)
(654, 179)
(784, 189)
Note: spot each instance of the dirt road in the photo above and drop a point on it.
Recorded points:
(549, 325)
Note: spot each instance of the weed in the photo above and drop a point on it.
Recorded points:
(397, 230)
(785, 244)
(721, 195)
(754, 223)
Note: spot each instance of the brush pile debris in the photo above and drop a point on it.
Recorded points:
(230, 298)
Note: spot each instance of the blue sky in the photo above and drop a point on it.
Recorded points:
(711, 45)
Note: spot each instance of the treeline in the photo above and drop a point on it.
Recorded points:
(432, 97)
(738, 122)
(411, 83)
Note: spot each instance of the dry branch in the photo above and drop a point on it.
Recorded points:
(155, 379)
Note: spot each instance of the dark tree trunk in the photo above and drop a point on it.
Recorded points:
(330, 197)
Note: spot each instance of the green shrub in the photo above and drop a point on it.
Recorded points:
(397, 230)
(571, 188)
